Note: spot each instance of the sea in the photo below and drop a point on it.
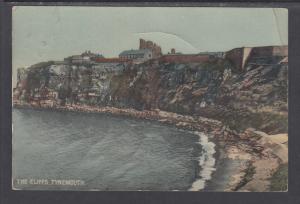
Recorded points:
(59, 150)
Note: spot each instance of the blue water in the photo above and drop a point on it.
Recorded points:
(104, 152)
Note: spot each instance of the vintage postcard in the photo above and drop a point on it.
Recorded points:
(150, 98)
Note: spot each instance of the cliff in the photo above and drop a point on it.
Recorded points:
(218, 89)
(239, 99)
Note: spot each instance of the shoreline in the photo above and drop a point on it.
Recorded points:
(206, 162)
(235, 154)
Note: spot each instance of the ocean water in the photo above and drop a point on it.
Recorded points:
(55, 150)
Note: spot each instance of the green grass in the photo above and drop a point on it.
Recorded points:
(279, 181)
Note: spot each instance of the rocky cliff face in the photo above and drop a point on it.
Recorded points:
(255, 97)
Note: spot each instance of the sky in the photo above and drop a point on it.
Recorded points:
(55, 32)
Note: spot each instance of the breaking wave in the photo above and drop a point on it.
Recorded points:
(206, 162)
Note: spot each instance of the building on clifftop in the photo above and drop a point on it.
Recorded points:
(155, 49)
(147, 50)
(265, 55)
(137, 56)
(84, 58)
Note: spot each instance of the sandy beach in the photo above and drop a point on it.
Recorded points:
(244, 161)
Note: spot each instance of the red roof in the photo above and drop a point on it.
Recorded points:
(111, 60)
(185, 58)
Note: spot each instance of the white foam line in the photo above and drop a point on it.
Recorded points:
(206, 162)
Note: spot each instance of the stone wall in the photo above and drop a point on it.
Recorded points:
(239, 57)
(235, 56)
(185, 58)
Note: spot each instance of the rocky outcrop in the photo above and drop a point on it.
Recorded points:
(242, 108)
(255, 97)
